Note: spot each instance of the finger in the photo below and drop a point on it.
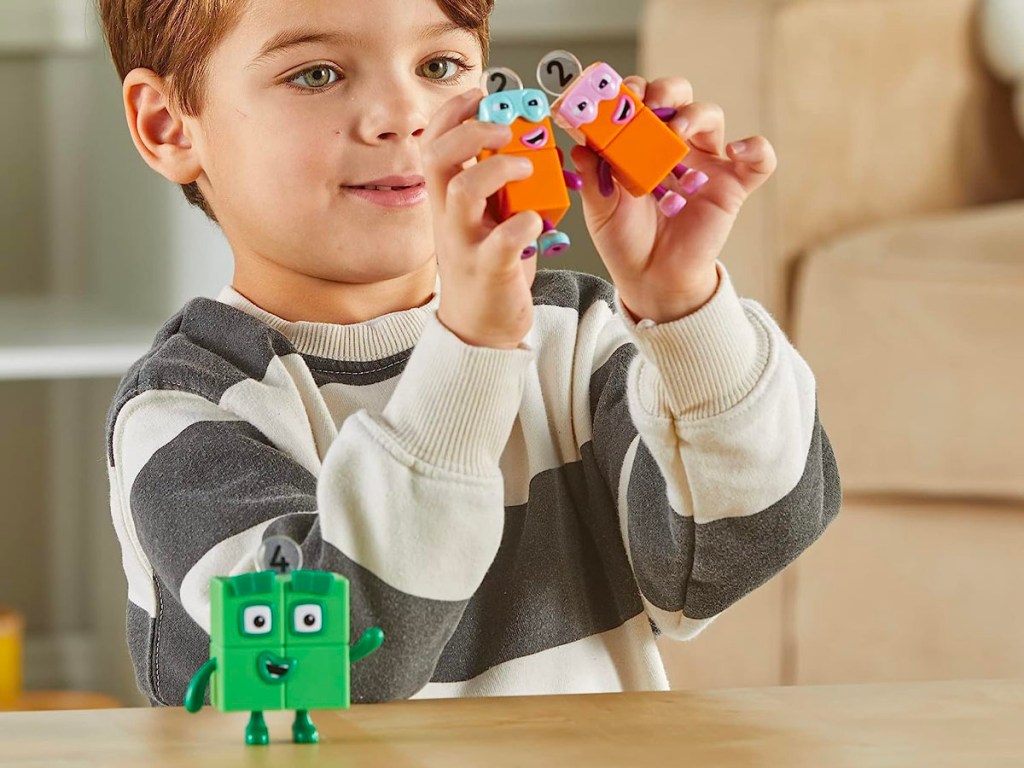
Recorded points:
(673, 92)
(468, 191)
(702, 125)
(755, 161)
(453, 112)
(508, 240)
(637, 85)
(596, 205)
(445, 156)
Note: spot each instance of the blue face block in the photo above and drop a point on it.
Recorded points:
(506, 107)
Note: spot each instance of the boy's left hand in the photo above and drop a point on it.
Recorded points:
(664, 268)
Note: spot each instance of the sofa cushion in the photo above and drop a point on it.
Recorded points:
(911, 591)
(879, 109)
(915, 331)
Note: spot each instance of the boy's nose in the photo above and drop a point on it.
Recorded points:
(389, 135)
(392, 119)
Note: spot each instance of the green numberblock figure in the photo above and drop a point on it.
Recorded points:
(279, 642)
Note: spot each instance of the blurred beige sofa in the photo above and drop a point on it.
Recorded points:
(890, 245)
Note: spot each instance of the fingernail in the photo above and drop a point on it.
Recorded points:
(738, 147)
(522, 165)
(682, 125)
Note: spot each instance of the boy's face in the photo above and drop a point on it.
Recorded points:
(290, 140)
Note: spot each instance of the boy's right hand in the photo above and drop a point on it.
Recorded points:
(485, 282)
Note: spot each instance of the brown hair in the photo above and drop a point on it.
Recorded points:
(175, 38)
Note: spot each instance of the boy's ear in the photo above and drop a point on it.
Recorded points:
(157, 127)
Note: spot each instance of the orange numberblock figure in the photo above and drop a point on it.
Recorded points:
(600, 112)
(528, 114)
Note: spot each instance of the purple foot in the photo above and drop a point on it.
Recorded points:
(693, 180)
(671, 204)
(529, 252)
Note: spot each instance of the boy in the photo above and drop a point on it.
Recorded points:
(524, 475)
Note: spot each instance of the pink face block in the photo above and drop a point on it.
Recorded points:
(580, 103)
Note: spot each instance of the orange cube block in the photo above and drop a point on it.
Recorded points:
(598, 110)
(644, 153)
(543, 192)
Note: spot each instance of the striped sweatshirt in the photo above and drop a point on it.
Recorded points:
(517, 521)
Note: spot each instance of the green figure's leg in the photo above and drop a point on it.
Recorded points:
(303, 730)
(256, 733)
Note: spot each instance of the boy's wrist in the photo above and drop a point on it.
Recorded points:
(665, 304)
(476, 338)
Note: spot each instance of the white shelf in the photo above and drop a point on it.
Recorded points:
(51, 338)
(34, 26)
(564, 20)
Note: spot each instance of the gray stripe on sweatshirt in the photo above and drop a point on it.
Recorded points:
(139, 631)
(179, 647)
(212, 481)
(355, 373)
(571, 290)
(415, 631)
(701, 569)
(612, 426)
(205, 349)
(561, 574)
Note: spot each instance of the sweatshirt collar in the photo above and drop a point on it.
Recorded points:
(374, 339)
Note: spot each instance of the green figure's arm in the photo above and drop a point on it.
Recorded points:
(197, 687)
(372, 639)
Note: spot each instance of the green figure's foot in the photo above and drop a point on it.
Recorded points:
(303, 730)
(256, 734)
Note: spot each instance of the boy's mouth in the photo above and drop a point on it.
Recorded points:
(392, 191)
(391, 182)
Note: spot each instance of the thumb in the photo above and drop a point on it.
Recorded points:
(596, 206)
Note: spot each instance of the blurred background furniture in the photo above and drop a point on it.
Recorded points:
(891, 247)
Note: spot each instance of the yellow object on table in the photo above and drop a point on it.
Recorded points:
(975, 724)
(12, 697)
(11, 628)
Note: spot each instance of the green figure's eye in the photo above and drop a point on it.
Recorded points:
(308, 618)
(257, 620)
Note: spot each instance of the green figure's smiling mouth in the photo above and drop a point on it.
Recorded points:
(274, 668)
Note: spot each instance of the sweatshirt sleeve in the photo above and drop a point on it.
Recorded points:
(707, 433)
(407, 504)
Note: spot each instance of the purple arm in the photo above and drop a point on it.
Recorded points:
(572, 180)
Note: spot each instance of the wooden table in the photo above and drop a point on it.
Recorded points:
(932, 725)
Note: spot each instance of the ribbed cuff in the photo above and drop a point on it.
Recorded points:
(455, 403)
(702, 364)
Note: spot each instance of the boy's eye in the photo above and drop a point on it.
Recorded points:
(442, 69)
(316, 77)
